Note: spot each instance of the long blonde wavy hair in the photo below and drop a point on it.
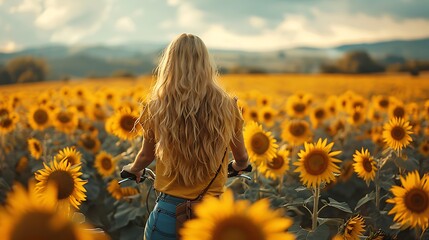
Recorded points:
(192, 118)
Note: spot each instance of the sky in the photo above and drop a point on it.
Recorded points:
(250, 25)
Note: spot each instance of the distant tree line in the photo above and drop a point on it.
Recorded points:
(23, 69)
(356, 62)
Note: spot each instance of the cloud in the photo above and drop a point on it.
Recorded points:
(70, 21)
(320, 30)
(9, 46)
(173, 2)
(189, 16)
(125, 24)
(27, 6)
(257, 22)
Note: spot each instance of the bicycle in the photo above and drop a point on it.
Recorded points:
(149, 174)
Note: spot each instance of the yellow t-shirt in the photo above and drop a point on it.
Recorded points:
(170, 186)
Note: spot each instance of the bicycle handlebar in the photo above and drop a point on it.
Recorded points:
(148, 173)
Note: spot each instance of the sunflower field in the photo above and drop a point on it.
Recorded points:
(333, 156)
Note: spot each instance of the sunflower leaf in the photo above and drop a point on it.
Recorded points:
(334, 221)
(340, 206)
(368, 197)
(301, 188)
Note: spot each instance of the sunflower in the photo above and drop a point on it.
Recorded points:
(8, 122)
(119, 193)
(296, 107)
(364, 165)
(105, 164)
(90, 142)
(375, 115)
(356, 117)
(29, 215)
(123, 124)
(263, 100)
(267, 115)
(22, 164)
(296, 131)
(346, 171)
(424, 148)
(80, 92)
(336, 127)
(316, 163)
(396, 133)
(4, 110)
(98, 111)
(338, 237)
(398, 111)
(381, 102)
(413, 110)
(70, 154)
(39, 117)
(35, 148)
(317, 116)
(237, 220)
(277, 166)
(66, 177)
(65, 120)
(353, 228)
(425, 111)
(260, 144)
(411, 202)
(251, 114)
(331, 105)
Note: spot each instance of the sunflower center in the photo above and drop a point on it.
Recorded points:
(384, 103)
(425, 148)
(398, 133)
(88, 142)
(399, 112)
(267, 116)
(276, 162)
(299, 107)
(41, 226)
(80, 108)
(3, 112)
(319, 114)
(5, 123)
(127, 122)
(106, 163)
(64, 117)
(367, 164)
(37, 147)
(40, 116)
(417, 200)
(297, 129)
(260, 143)
(64, 181)
(238, 228)
(356, 116)
(253, 115)
(316, 162)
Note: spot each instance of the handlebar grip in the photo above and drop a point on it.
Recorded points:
(232, 172)
(125, 174)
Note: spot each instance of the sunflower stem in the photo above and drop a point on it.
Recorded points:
(315, 207)
(279, 189)
(377, 189)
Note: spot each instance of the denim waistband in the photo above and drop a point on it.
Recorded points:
(170, 199)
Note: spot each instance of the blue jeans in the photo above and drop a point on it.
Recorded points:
(161, 224)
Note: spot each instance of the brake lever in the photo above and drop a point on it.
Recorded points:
(127, 176)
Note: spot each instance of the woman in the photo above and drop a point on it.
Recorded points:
(189, 124)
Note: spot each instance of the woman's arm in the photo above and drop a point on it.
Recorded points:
(239, 151)
(143, 158)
